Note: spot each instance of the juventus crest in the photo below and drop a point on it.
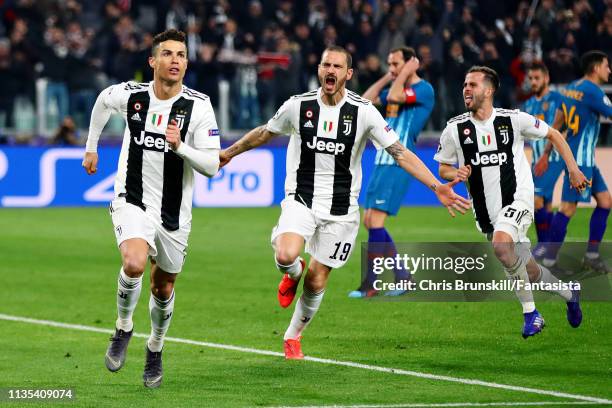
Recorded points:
(347, 126)
(180, 121)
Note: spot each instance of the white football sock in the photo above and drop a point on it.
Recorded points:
(547, 277)
(519, 272)
(161, 314)
(294, 270)
(127, 298)
(305, 309)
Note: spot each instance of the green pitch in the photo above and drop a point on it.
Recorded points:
(62, 264)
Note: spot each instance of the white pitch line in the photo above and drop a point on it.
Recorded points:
(451, 404)
(351, 364)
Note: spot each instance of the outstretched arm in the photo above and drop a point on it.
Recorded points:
(256, 137)
(410, 162)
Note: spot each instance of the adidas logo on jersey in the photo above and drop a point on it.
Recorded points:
(468, 140)
(136, 116)
(493, 158)
(152, 141)
(308, 124)
(322, 146)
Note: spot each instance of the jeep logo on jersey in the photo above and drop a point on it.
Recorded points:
(152, 141)
(493, 158)
(322, 146)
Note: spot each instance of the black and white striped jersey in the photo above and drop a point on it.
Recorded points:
(150, 175)
(325, 148)
(494, 149)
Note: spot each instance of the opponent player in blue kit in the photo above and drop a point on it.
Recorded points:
(586, 101)
(545, 105)
(408, 102)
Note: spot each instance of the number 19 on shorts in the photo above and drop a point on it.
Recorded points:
(342, 251)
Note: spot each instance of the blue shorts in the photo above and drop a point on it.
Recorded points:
(387, 188)
(545, 184)
(570, 195)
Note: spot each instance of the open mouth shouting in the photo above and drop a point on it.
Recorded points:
(330, 83)
(467, 99)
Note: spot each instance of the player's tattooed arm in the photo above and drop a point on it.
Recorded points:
(396, 150)
(412, 164)
(256, 137)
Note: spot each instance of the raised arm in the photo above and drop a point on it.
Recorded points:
(397, 93)
(256, 137)
(411, 163)
(373, 92)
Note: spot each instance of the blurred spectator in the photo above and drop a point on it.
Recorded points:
(390, 37)
(369, 72)
(317, 15)
(604, 33)
(208, 72)
(9, 86)
(285, 14)
(533, 43)
(563, 66)
(490, 57)
(518, 69)
(66, 134)
(365, 41)
(287, 76)
(309, 53)
(431, 71)
(455, 68)
(54, 58)
(253, 24)
(84, 67)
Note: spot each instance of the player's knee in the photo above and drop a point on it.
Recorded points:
(568, 209)
(504, 253)
(604, 200)
(134, 265)
(366, 219)
(286, 256)
(533, 270)
(162, 290)
(538, 202)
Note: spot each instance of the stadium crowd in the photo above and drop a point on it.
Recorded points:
(268, 50)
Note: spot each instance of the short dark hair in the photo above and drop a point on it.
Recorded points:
(337, 48)
(590, 59)
(171, 34)
(489, 73)
(539, 66)
(407, 52)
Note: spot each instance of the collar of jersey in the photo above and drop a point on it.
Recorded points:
(489, 119)
(339, 104)
(162, 101)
